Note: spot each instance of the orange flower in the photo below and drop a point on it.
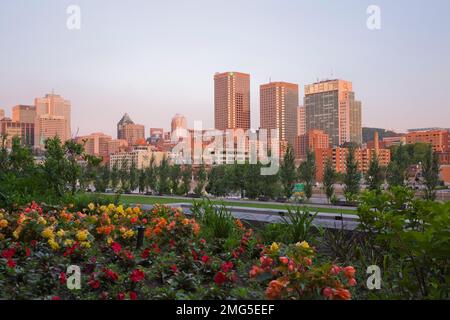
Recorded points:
(254, 272)
(274, 290)
(342, 294)
(349, 272)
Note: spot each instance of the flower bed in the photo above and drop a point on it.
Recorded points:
(176, 261)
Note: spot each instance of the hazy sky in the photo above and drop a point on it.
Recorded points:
(153, 59)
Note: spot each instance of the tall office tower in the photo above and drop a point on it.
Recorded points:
(301, 121)
(232, 100)
(129, 131)
(2, 113)
(279, 109)
(178, 127)
(55, 105)
(331, 106)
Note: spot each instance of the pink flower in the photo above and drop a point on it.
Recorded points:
(205, 259)
(121, 296)
(56, 298)
(116, 247)
(327, 292)
(352, 282)
(335, 270)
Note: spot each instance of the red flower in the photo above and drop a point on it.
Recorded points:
(156, 248)
(129, 255)
(284, 260)
(27, 252)
(8, 253)
(352, 282)
(11, 263)
(62, 278)
(56, 298)
(133, 295)
(205, 259)
(121, 296)
(220, 278)
(172, 243)
(33, 243)
(137, 275)
(174, 268)
(226, 266)
(145, 254)
(194, 254)
(111, 274)
(116, 247)
(94, 284)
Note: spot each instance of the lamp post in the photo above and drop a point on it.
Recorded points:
(140, 237)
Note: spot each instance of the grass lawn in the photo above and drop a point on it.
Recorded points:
(163, 200)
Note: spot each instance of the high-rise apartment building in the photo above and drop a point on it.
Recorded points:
(129, 131)
(232, 100)
(2, 113)
(301, 121)
(25, 131)
(331, 106)
(279, 109)
(49, 126)
(310, 142)
(439, 139)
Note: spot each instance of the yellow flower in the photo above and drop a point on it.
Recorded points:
(3, 223)
(16, 233)
(109, 240)
(274, 247)
(68, 242)
(120, 210)
(128, 234)
(85, 244)
(303, 245)
(53, 244)
(103, 208)
(129, 210)
(82, 235)
(111, 207)
(61, 233)
(48, 233)
(137, 210)
(42, 221)
(91, 206)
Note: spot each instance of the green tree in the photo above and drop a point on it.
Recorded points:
(430, 174)
(307, 173)
(352, 176)
(186, 178)
(151, 175)
(201, 178)
(175, 175)
(142, 181)
(329, 179)
(115, 175)
(288, 172)
(163, 172)
(133, 176)
(374, 175)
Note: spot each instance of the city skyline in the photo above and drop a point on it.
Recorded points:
(108, 68)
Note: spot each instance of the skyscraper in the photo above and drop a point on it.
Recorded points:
(301, 121)
(129, 131)
(232, 100)
(279, 109)
(331, 106)
(52, 119)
